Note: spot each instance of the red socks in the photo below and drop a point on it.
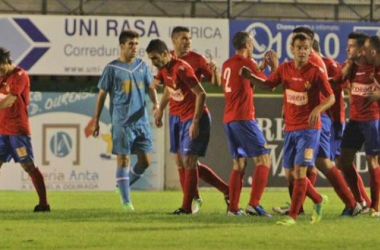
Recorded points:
(312, 176)
(375, 187)
(312, 193)
(39, 185)
(259, 182)
(298, 196)
(235, 185)
(336, 179)
(210, 177)
(181, 174)
(190, 187)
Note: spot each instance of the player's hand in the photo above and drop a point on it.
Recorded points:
(314, 117)
(194, 130)
(212, 64)
(95, 129)
(272, 59)
(245, 72)
(375, 96)
(158, 118)
(155, 84)
(155, 106)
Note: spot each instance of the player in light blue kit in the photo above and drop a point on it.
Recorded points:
(127, 80)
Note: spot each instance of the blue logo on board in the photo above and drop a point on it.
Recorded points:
(25, 41)
(61, 144)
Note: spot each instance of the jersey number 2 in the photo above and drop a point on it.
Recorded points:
(226, 77)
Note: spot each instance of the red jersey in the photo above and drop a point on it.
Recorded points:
(317, 60)
(362, 85)
(302, 92)
(336, 112)
(238, 90)
(201, 69)
(179, 78)
(14, 120)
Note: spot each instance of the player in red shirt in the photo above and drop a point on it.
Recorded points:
(15, 140)
(205, 71)
(182, 86)
(244, 137)
(362, 128)
(304, 83)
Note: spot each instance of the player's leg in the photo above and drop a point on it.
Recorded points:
(372, 146)
(352, 141)
(235, 184)
(22, 152)
(332, 173)
(122, 139)
(205, 172)
(142, 147)
(238, 156)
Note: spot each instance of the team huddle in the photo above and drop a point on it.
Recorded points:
(315, 134)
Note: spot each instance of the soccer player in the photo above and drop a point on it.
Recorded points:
(182, 85)
(362, 127)
(244, 137)
(15, 139)
(323, 160)
(127, 80)
(204, 71)
(304, 83)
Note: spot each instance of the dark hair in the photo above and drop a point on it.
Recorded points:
(179, 29)
(375, 42)
(5, 56)
(305, 30)
(301, 37)
(240, 39)
(315, 46)
(127, 34)
(359, 37)
(157, 45)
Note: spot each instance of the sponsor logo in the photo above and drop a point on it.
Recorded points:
(28, 43)
(362, 89)
(59, 142)
(176, 94)
(296, 98)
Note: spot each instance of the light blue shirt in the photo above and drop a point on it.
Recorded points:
(127, 85)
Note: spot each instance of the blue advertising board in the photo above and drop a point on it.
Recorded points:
(276, 35)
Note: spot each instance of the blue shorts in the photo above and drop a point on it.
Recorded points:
(356, 133)
(245, 139)
(131, 139)
(198, 146)
(337, 129)
(300, 147)
(18, 147)
(174, 129)
(325, 138)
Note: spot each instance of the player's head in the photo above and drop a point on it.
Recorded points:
(301, 48)
(355, 44)
(158, 52)
(181, 39)
(129, 41)
(242, 40)
(305, 30)
(372, 49)
(5, 60)
(316, 46)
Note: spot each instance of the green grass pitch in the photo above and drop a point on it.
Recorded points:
(95, 220)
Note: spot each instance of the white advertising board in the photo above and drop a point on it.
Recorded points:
(68, 156)
(83, 45)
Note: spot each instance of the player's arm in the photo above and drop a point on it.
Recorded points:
(161, 107)
(7, 101)
(255, 80)
(98, 110)
(215, 77)
(200, 100)
(152, 93)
